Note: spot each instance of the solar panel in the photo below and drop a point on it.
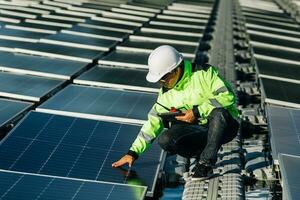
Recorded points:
(264, 12)
(159, 37)
(278, 69)
(164, 22)
(62, 52)
(285, 41)
(48, 22)
(269, 17)
(96, 33)
(126, 59)
(186, 14)
(15, 185)
(26, 87)
(281, 92)
(284, 129)
(77, 148)
(142, 7)
(132, 17)
(278, 53)
(10, 109)
(101, 103)
(10, 45)
(289, 169)
(171, 29)
(79, 41)
(34, 28)
(59, 21)
(269, 23)
(133, 12)
(40, 66)
(108, 26)
(126, 78)
(148, 47)
(264, 29)
(21, 35)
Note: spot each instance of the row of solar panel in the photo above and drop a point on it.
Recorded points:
(34, 88)
(275, 40)
(27, 152)
(276, 45)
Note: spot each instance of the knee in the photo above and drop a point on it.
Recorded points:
(220, 114)
(164, 141)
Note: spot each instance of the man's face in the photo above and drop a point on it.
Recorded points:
(170, 79)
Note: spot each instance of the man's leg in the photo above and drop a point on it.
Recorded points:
(186, 140)
(222, 127)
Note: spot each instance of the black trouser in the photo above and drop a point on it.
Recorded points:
(190, 140)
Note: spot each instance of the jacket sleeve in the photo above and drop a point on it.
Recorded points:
(149, 131)
(218, 93)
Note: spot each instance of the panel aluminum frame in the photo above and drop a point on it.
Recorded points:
(40, 66)
(37, 186)
(101, 104)
(120, 78)
(26, 87)
(284, 129)
(53, 150)
(11, 109)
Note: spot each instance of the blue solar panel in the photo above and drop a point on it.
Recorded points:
(131, 79)
(281, 92)
(77, 148)
(30, 186)
(289, 169)
(284, 125)
(40, 66)
(95, 102)
(10, 109)
(26, 87)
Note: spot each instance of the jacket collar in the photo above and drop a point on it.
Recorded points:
(185, 76)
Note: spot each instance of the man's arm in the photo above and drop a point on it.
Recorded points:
(149, 131)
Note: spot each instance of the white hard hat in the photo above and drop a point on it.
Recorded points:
(161, 61)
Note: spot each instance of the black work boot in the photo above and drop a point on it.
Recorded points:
(202, 172)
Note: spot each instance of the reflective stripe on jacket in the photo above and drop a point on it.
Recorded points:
(204, 89)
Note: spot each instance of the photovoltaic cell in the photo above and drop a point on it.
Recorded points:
(26, 87)
(97, 103)
(181, 29)
(10, 45)
(281, 92)
(79, 41)
(278, 69)
(41, 66)
(124, 27)
(275, 41)
(270, 23)
(58, 51)
(278, 53)
(77, 148)
(9, 109)
(176, 39)
(284, 126)
(126, 59)
(22, 34)
(132, 79)
(30, 186)
(148, 47)
(289, 169)
(96, 32)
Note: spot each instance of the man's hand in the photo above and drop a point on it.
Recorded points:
(124, 160)
(188, 117)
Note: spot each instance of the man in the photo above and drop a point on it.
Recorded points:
(208, 111)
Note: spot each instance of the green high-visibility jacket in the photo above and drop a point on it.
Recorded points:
(202, 91)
